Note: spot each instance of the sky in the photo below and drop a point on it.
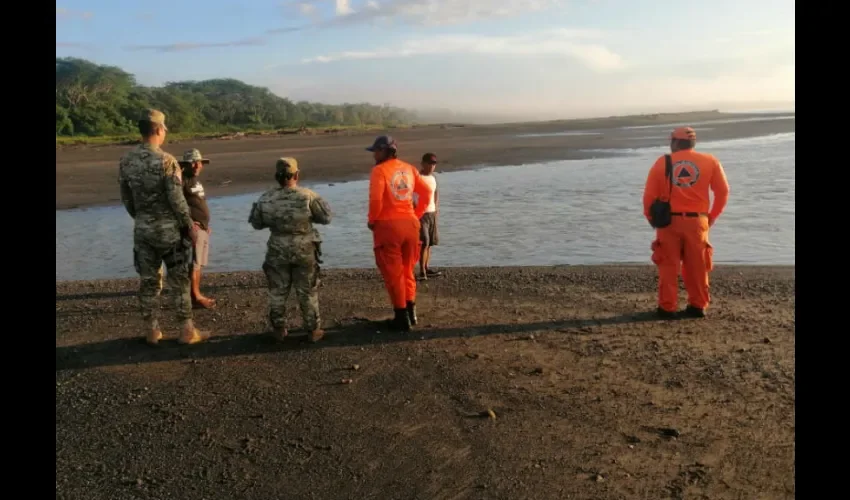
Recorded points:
(527, 58)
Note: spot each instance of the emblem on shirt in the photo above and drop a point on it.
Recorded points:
(685, 174)
(197, 190)
(400, 186)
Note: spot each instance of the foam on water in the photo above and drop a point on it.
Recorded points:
(736, 145)
(710, 122)
(559, 134)
(565, 212)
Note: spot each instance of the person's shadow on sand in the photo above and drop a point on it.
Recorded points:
(357, 332)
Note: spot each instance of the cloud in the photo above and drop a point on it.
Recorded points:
(740, 37)
(775, 83)
(63, 13)
(179, 47)
(280, 31)
(442, 12)
(306, 8)
(343, 7)
(426, 12)
(73, 45)
(558, 43)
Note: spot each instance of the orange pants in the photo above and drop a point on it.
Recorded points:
(396, 244)
(683, 243)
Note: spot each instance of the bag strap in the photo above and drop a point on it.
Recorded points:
(668, 173)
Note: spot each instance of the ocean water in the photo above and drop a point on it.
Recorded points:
(556, 213)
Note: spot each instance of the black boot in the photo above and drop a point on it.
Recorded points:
(661, 313)
(693, 312)
(401, 322)
(411, 312)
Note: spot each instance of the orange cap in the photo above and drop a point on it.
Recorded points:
(684, 133)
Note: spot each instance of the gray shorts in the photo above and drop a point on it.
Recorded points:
(202, 249)
(428, 234)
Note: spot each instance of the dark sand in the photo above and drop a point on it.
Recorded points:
(582, 382)
(87, 176)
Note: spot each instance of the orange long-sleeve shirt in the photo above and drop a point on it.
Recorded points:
(391, 188)
(694, 175)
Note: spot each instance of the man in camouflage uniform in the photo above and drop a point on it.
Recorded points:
(292, 253)
(152, 192)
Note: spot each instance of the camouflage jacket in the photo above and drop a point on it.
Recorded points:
(152, 192)
(290, 214)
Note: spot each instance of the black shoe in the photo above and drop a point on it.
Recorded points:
(401, 321)
(411, 312)
(665, 314)
(431, 272)
(693, 312)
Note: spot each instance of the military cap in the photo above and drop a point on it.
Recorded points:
(153, 116)
(286, 165)
(193, 155)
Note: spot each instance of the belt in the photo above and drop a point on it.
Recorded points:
(689, 214)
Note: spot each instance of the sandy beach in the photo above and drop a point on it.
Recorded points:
(86, 176)
(593, 398)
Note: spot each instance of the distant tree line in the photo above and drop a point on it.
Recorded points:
(95, 100)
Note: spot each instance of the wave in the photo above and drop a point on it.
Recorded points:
(759, 140)
(706, 122)
(557, 134)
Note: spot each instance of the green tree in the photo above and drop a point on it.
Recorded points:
(96, 100)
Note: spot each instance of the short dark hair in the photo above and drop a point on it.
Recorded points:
(684, 143)
(429, 157)
(148, 128)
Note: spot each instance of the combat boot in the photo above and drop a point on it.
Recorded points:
(411, 312)
(315, 336)
(279, 334)
(191, 335)
(154, 337)
(401, 321)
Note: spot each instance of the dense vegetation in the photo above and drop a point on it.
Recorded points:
(94, 100)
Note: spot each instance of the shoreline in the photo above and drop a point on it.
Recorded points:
(349, 272)
(85, 177)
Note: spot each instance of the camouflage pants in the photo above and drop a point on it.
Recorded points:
(282, 275)
(148, 260)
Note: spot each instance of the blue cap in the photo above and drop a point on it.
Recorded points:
(382, 142)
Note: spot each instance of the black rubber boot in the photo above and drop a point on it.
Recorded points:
(411, 312)
(693, 312)
(665, 314)
(401, 322)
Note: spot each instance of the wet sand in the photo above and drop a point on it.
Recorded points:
(593, 398)
(86, 176)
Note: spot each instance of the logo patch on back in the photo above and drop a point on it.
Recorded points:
(400, 185)
(685, 174)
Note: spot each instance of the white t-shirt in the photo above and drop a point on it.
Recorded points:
(431, 182)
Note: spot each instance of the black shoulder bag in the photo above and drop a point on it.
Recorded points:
(659, 212)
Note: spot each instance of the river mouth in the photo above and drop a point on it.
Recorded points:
(554, 213)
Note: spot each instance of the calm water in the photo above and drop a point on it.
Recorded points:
(567, 212)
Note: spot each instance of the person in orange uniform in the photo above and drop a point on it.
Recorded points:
(394, 223)
(684, 242)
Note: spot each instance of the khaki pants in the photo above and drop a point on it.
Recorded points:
(201, 250)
